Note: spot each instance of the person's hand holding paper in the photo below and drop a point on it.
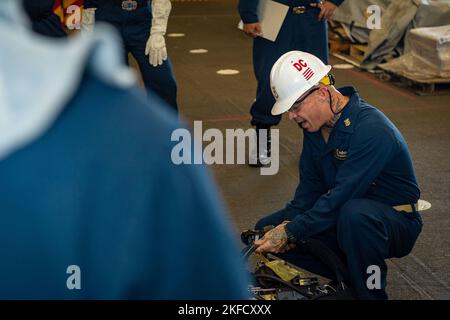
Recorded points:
(253, 29)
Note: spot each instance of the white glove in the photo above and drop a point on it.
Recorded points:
(87, 20)
(156, 44)
(156, 49)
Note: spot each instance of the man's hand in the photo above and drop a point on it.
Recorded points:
(156, 49)
(326, 9)
(275, 240)
(253, 29)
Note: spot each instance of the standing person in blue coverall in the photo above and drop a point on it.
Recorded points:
(357, 193)
(142, 25)
(92, 206)
(304, 28)
(44, 20)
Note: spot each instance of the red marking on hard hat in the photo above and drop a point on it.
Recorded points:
(308, 73)
(300, 64)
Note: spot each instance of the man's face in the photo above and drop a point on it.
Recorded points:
(310, 113)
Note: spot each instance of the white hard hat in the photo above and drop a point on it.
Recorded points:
(293, 74)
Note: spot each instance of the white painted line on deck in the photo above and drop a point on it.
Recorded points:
(195, 51)
(227, 72)
(176, 35)
(343, 66)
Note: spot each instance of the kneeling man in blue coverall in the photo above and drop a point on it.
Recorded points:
(357, 193)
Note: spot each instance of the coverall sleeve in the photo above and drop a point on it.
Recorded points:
(248, 10)
(310, 187)
(369, 152)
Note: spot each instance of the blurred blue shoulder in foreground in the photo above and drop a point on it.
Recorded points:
(92, 206)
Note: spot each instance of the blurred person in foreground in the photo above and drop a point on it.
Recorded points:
(92, 206)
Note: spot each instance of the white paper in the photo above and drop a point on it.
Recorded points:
(271, 16)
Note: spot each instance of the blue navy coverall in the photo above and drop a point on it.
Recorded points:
(44, 20)
(134, 28)
(346, 192)
(98, 190)
(299, 32)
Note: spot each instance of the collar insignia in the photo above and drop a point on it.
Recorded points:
(347, 122)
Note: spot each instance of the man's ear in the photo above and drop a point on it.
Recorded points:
(323, 92)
